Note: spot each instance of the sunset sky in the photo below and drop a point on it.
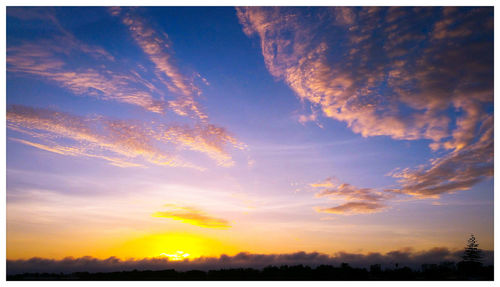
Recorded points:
(188, 132)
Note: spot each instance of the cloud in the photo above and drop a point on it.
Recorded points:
(32, 13)
(405, 257)
(344, 15)
(350, 192)
(78, 152)
(208, 139)
(46, 60)
(356, 207)
(192, 216)
(458, 170)
(50, 60)
(97, 135)
(373, 69)
(122, 143)
(329, 182)
(358, 200)
(342, 71)
(159, 50)
(71, 43)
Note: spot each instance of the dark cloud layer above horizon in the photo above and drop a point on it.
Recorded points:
(405, 257)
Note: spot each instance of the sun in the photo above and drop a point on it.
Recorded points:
(173, 245)
(179, 255)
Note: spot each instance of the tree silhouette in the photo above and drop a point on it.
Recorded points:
(472, 253)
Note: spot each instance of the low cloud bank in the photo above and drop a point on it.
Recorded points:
(241, 260)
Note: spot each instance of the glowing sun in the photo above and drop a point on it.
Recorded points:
(179, 255)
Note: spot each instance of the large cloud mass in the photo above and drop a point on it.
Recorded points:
(407, 73)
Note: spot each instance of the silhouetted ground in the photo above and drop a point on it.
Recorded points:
(443, 271)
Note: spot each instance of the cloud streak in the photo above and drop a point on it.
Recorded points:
(96, 135)
(158, 49)
(50, 60)
(192, 216)
(77, 152)
(360, 207)
(358, 200)
(208, 139)
(46, 60)
(121, 143)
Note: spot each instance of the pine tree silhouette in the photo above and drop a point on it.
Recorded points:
(472, 253)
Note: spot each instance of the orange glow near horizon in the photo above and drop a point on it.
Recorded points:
(176, 246)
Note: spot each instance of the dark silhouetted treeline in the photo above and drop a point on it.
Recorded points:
(443, 271)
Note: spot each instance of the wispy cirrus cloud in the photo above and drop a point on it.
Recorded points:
(355, 207)
(46, 60)
(49, 16)
(191, 215)
(159, 50)
(90, 135)
(76, 151)
(205, 138)
(120, 142)
(367, 72)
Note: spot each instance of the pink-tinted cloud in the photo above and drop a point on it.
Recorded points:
(357, 200)
(346, 88)
(44, 61)
(344, 15)
(48, 59)
(350, 192)
(208, 139)
(97, 135)
(458, 170)
(122, 143)
(48, 14)
(51, 61)
(158, 48)
(76, 151)
(355, 207)
(368, 74)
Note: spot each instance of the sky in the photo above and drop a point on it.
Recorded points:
(182, 132)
